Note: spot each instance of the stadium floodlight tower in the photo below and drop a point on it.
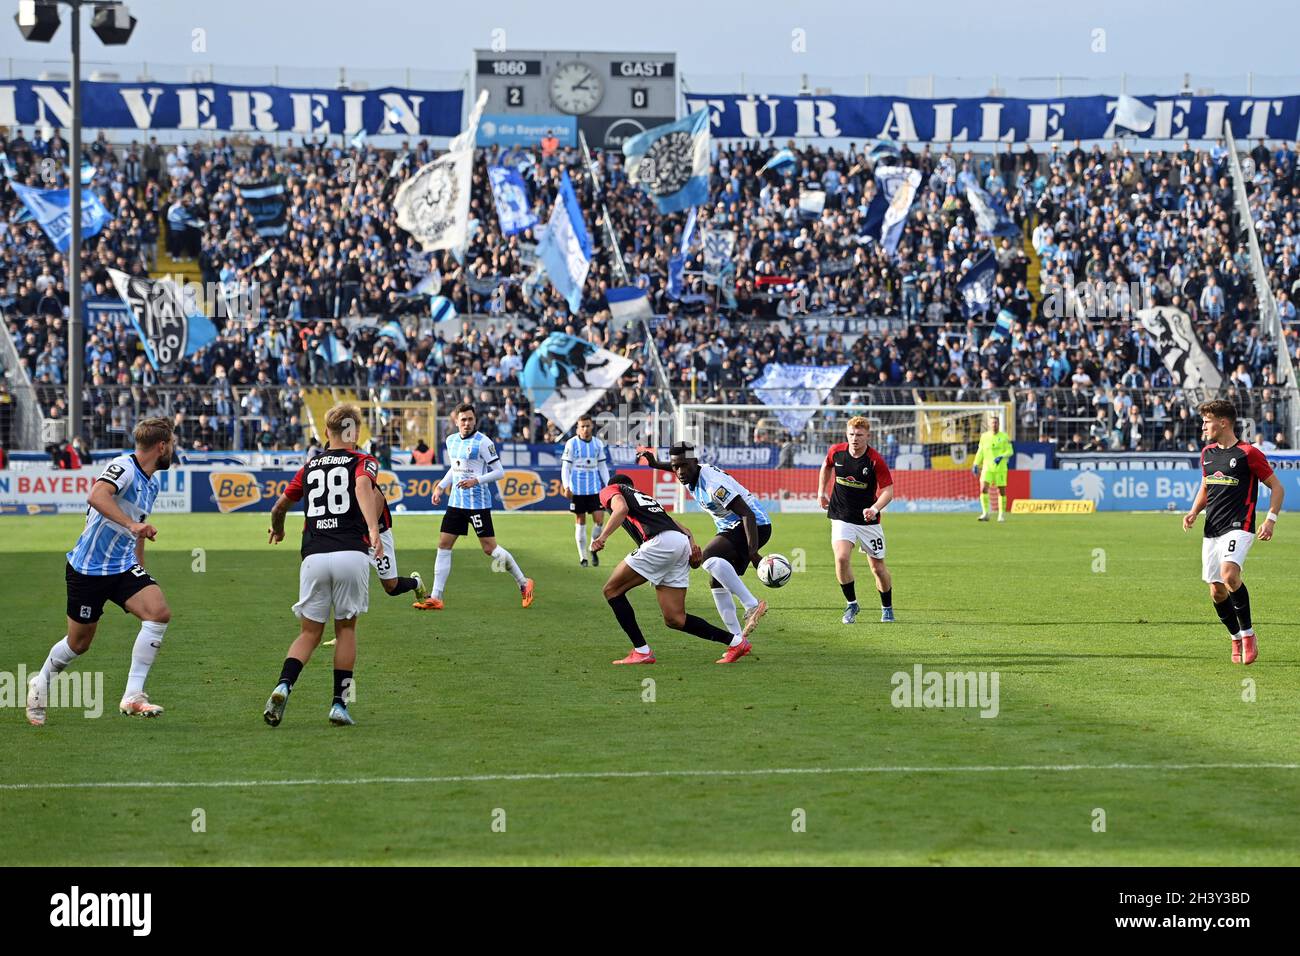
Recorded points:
(38, 21)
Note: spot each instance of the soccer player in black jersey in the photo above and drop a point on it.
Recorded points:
(340, 528)
(665, 553)
(854, 486)
(1231, 472)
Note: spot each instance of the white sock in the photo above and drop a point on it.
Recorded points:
(726, 606)
(1246, 632)
(146, 647)
(61, 655)
(595, 533)
(722, 572)
(441, 568)
(577, 537)
(643, 649)
(501, 554)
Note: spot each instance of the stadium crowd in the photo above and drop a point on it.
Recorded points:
(1143, 228)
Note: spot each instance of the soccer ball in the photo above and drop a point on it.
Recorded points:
(774, 570)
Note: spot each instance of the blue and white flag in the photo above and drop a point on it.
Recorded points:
(52, 209)
(990, 218)
(393, 330)
(628, 305)
(431, 283)
(7, 166)
(168, 330)
(433, 204)
(976, 287)
(780, 159)
(806, 385)
(510, 194)
(359, 139)
(896, 187)
(334, 350)
(265, 202)
(719, 247)
(676, 275)
(565, 247)
(1002, 328)
(671, 162)
(442, 309)
(566, 375)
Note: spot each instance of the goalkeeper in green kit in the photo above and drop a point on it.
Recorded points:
(991, 464)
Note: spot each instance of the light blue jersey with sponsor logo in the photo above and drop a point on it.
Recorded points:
(471, 457)
(105, 547)
(715, 489)
(588, 472)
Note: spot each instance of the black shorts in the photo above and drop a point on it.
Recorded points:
(87, 593)
(585, 504)
(460, 520)
(733, 546)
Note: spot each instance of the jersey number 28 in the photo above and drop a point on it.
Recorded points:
(331, 485)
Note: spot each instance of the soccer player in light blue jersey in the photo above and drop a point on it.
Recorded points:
(743, 528)
(107, 564)
(584, 471)
(472, 466)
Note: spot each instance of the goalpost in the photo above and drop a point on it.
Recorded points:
(776, 450)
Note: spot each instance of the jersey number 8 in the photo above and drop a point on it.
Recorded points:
(335, 483)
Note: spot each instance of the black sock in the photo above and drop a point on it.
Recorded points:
(1227, 614)
(290, 671)
(1240, 599)
(887, 598)
(702, 628)
(622, 609)
(850, 592)
(342, 684)
(403, 585)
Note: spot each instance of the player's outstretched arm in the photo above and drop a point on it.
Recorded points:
(1277, 493)
(102, 499)
(647, 455)
(617, 514)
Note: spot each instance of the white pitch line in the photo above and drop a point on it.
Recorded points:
(634, 774)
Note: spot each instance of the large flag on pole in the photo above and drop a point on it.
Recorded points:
(976, 286)
(671, 162)
(168, 329)
(1132, 113)
(510, 194)
(806, 385)
(1180, 348)
(433, 205)
(566, 375)
(52, 210)
(896, 187)
(565, 247)
(989, 218)
(719, 247)
(628, 305)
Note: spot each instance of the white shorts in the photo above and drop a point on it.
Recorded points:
(664, 560)
(338, 579)
(1229, 546)
(385, 567)
(869, 538)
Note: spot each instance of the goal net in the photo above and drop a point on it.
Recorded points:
(776, 451)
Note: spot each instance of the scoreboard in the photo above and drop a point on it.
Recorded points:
(612, 96)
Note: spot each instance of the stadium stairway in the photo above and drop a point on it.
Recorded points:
(183, 272)
(1033, 269)
(316, 401)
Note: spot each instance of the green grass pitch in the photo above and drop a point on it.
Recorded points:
(490, 734)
